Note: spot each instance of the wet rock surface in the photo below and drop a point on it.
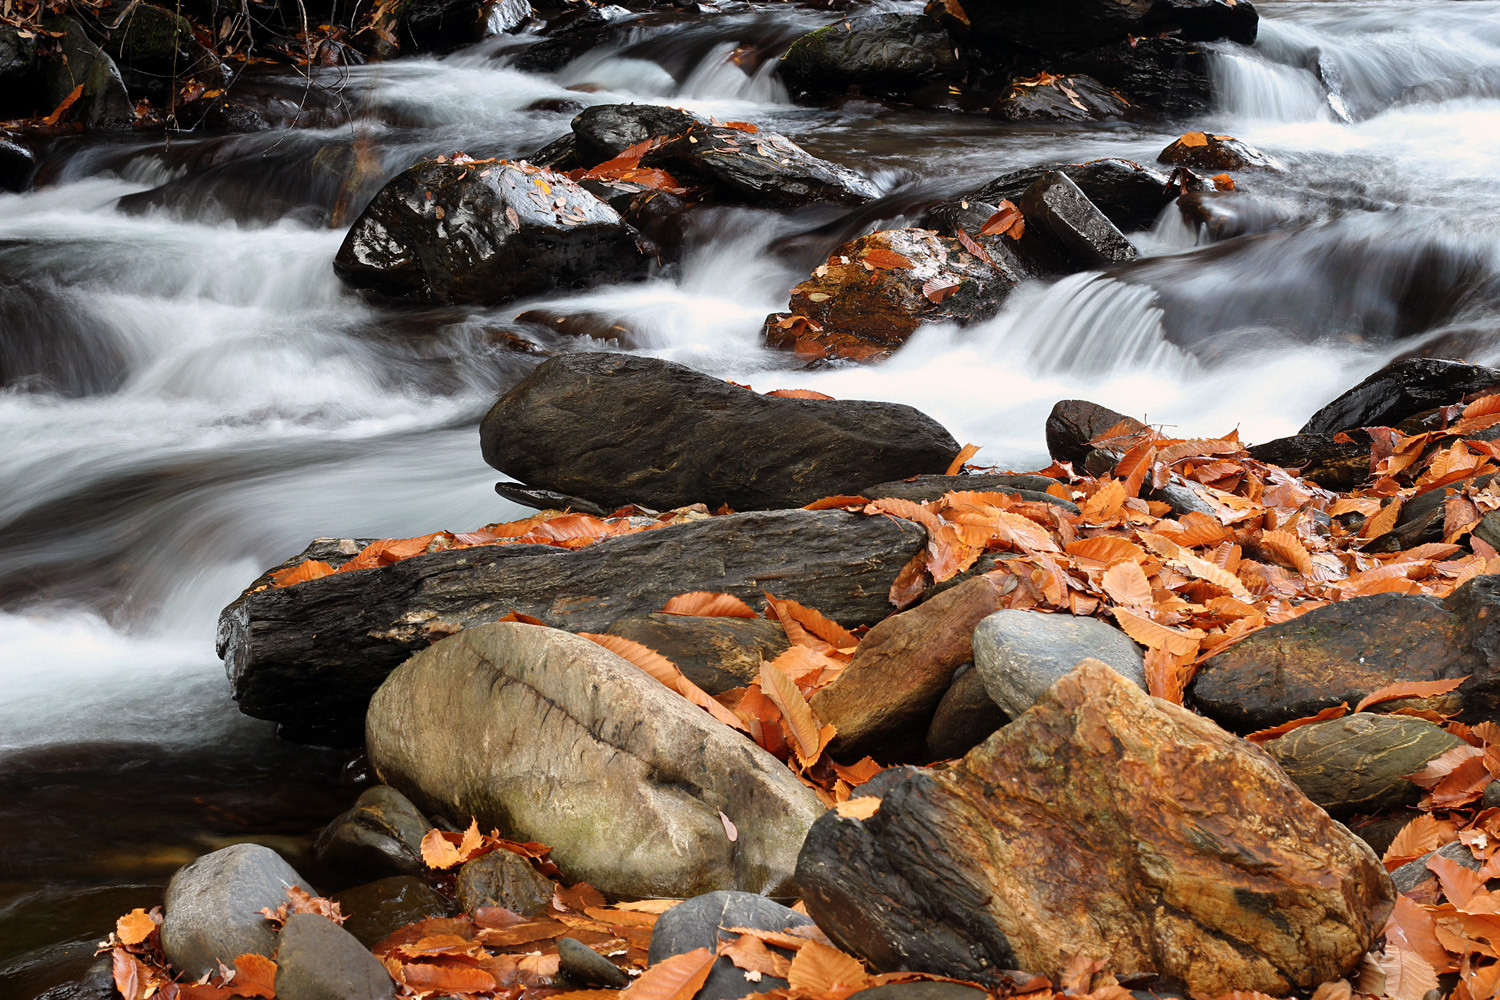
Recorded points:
(378, 908)
(1059, 99)
(1130, 195)
(1073, 224)
(690, 438)
(1400, 390)
(878, 53)
(1074, 423)
(1204, 864)
(633, 808)
(502, 878)
(583, 965)
(316, 959)
(1215, 153)
(381, 835)
(485, 233)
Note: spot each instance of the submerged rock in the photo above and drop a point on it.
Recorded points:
(1333, 465)
(633, 807)
(878, 53)
(378, 908)
(1048, 97)
(616, 429)
(461, 231)
(1105, 824)
(503, 878)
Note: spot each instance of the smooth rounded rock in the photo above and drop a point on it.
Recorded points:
(702, 922)
(1020, 654)
(965, 717)
(585, 966)
(503, 878)
(878, 53)
(212, 907)
(381, 835)
(316, 959)
(716, 654)
(1074, 423)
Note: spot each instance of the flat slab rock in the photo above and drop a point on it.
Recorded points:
(1343, 651)
(1102, 824)
(618, 429)
(477, 726)
(309, 656)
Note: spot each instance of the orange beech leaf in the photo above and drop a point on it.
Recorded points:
(1384, 521)
(1105, 505)
(805, 731)
(135, 926)
(675, 978)
(667, 672)
(586, 995)
(1126, 584)
(937, 288)
(741, 127)
(752, 955)
(799, 394)
(131, 976)
(860, 808)
(1138, 463)
(1444, 764)
(814, 622)
(1484, 406)
(1459, 884)
(708, 604)
(835, 503)
(56, 116)
(516, 616)
(1339, 989)
(1287, 549)
(1409, 689)
(1412, 927)
(1396, 974)
(446, 977)
(1464, 784)
(1008, 221)
(1266, 735)
(880, 257)
(1223, 182)
(1239, 995)
(254, 976)
(438, 853)
(310, 569)
(1192, 139)
(825, 972)
(1107, 549)
(941, 561)
(859, 772)
(972, 247)
(1420, 837)
(967, 452)
(1152, 635)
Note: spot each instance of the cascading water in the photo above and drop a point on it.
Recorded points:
(208, 397)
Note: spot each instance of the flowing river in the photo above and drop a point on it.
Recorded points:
(216, 398)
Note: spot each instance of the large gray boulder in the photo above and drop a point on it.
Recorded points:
(553, 738)
(618, 429)
(212, 907)
(1020, 654)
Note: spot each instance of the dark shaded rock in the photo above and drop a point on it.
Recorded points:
(1419, 521)
(1333, 465)
(1360, 763)
(662, 217)
(461, 232)
(1061, 27)
(547, 499)
(1488, 529)
(924, 488)
(717, 654)
(310, 655)
(864, 301)
(1162, 73)
(595, 326)
(1215, 153)
(878, 53)
(1204, 20)
(675, 437)
(1073, 423)
(154, 47)
(1400, 390)
(585, 966)
(700, 923)
(1343, 651)
(760, 168)
(634, 805)
(1130, 195)
(1412, 874)
(17, 55)
(316, 959)
(561, 154)
(440, 25)
(381, 835)
(965, 717)
(52, 344)
(79, 62)
(1059, 99)
(220, 114)
(903, 666)
(1072, 223)
(1183, 499)
(502, 878)
(212, 907)
(1223, 215)
(1380, 831)
(1102, 822)
(17, 164)
(607, 130)
(376, 909)
(1020, 654)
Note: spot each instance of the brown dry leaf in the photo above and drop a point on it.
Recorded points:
(967, 452)
(837, 503)
(709, 604)
(135, 926)
(1266, 735)
(787, 611)
(1383, 521)
(254, 976)
(131, 977)
(586, 995)
(1396, 974)
(1409, 689)
(1008, 220)
(1288, 550)
(804, 728)
(61, 109)
(1155, 636)
(1223, 182)
(861, 808)
(1125, 583)
(799, 394)
(675, 978)
(1105, 505)
(752, 955)
(825, 972)
(1421, 836)
(1107, 549)
(859, 772)
(1193, 139)
(1339, 989)
(311, 569)
(437, 852)
(938, 288)
(972, 247)
(440, 976)
(1411, 927)
(880, 257)
(741, 127)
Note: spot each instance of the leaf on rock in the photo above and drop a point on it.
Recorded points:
(1286, 549)
(667, 672)
(1125, 583)
(310, 569)
(1267, 735)
(1152, 635)
(752, 955)
(837, 503)
(437, 852)
(861, 808)
(709, 604)
(967, 452)
(1420, 837)
(938, 288)
(1193, 140)
(676, 978)
(883, 258)
(823, 971)
(1105, 505)
(1008, 221)
(799, 394)
(131, 976)
(1223, 182)
(1409, 689)
(446, 977)
(742, 127)
(973, 248)
(1338, 989)
(802, 724)
(254, 976)
(1397, 974)
(135, 926)
(787, 611)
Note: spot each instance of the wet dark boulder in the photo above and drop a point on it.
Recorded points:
(380, 835)
(965, 717)
(567, 36)
(1343, 651)
(716, 654)
(460, 231)
(375, 909)
(1073, 423)
(17, 164)
(154, 48)
(18, 96)
(316, 959)
(1074, 225)
(1420, 520)
(1052, 98)
(1212, 153)
(1333, 465)
(874, 292)
(440, 25)
(617, 429)
(1204, 20)
(887, 54)
(1130, 195)
(1055, 28)
(607, 130)
(1223, 215)
(502, 878)
(924, 488)
(104, 101)
(1400, 390)
(1158, 73)
(580, 964)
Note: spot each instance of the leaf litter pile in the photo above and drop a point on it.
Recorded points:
(1182, 586)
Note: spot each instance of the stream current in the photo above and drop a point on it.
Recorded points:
(215, 398)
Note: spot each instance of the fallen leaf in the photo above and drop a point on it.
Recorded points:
(1409, 689)
(1266, 735)
(938, 288)
(1193, 140)
(708, 604)
(861, 808)
(667, 672)
(1007, 221)
(967, 452)
(880, 257)
(134, 927)
(61, 109)
(799, 394)
(805, 731)
(676, 978)
(254, 976)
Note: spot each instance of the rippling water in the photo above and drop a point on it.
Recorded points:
(215, 398)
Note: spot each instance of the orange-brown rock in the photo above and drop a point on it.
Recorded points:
(874, 292)
(903, 666)
(1106, 824)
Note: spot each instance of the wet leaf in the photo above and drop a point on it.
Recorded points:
(1007, 221)
(803, 725)
(938, 288)
(1409, 689)
(61, 109)
(1192, 140)
(131, 977)
(708, 604)
(799, 394)
(311, 569)
(254, 976)
(880, 257)
(1396, 974)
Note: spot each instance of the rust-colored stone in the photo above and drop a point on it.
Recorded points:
(903, 666)
(1107, 824)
